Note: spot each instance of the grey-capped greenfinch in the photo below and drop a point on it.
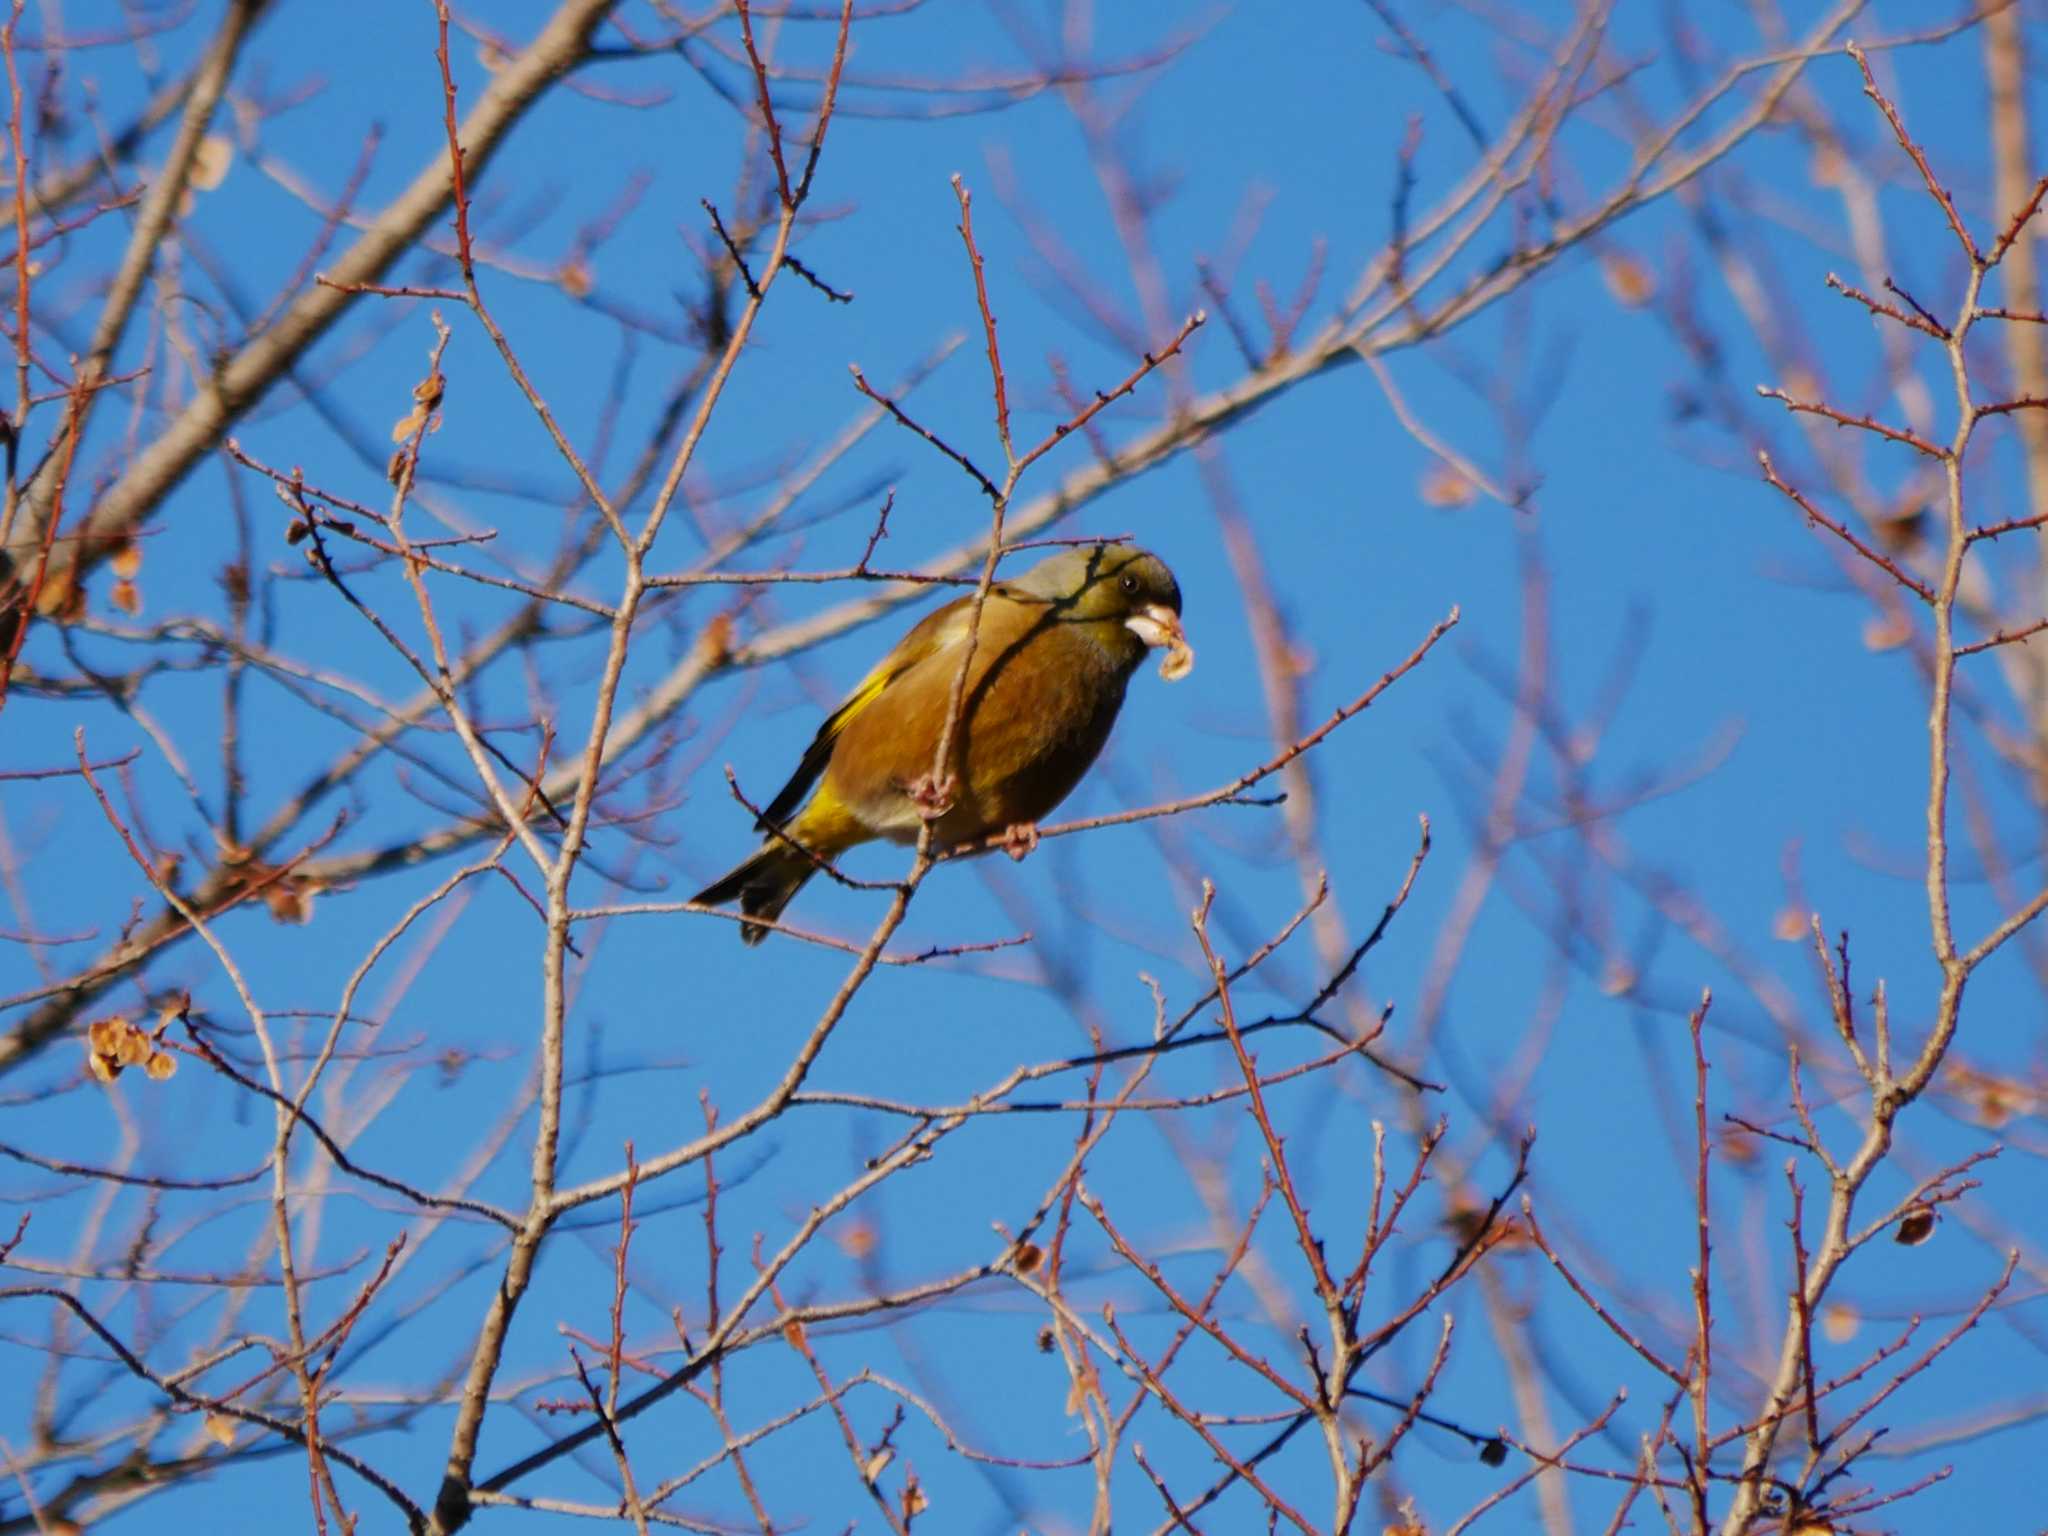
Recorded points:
(1052, 655)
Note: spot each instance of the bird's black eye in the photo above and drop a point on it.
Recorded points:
(1128, 582)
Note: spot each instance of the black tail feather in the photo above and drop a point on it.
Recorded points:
(762, 884)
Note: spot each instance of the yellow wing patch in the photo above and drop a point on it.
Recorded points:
(866, 693)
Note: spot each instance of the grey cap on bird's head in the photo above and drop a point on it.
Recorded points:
(1064, 576)
(1119, 584)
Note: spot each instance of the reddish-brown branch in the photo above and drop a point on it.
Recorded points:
(1702, 1290)
(1196, 1316)
(2008, 525)
(2003, 637)
(769, 122)
(392, 290)
(1883, 562)
(1593, 1304)
(1804, 1308)
(1202, 1309)
(1843, 419)
(2007, 407)
(22, 270)
(414, 1516)
(903, 419)
(865, 1468)
(1239, 1467)
(1937, 1349)
(1371, 1459)
(1380, 1225)
(1913, 152)
(1311, 1249)
(1093, 408)
(331, 1338)
(1234, 790)
(618, 1313)
(1179, 1515)
(1482, 1235)
(455, 167)
(988, 318)
(2024, 316)
(2016, 223)
(827, 101)
(1919, 321)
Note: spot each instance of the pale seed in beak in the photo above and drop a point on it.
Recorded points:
(1159, 626)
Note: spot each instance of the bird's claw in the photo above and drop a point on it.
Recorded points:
(1020, 839)
(933, 797)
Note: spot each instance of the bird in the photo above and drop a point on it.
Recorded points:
(1052, 654)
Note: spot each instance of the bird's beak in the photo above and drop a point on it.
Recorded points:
(1158, 625)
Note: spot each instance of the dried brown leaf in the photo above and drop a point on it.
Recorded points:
(1442, 486)
(290, 901)
(1736, 1146)
(58, 598)
(1915, 1227)
(210, 162)
(1628, 280)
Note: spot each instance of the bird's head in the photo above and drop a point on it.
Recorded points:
(1123, 592)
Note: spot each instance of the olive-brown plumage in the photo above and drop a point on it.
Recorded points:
(1052, 654)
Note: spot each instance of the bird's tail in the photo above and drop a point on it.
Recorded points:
(761, 884)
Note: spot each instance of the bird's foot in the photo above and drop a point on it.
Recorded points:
(1020, 839)
(933, 797)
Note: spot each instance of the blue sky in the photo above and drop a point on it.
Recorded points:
(1753, 701)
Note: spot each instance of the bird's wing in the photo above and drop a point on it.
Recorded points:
(933, 633)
